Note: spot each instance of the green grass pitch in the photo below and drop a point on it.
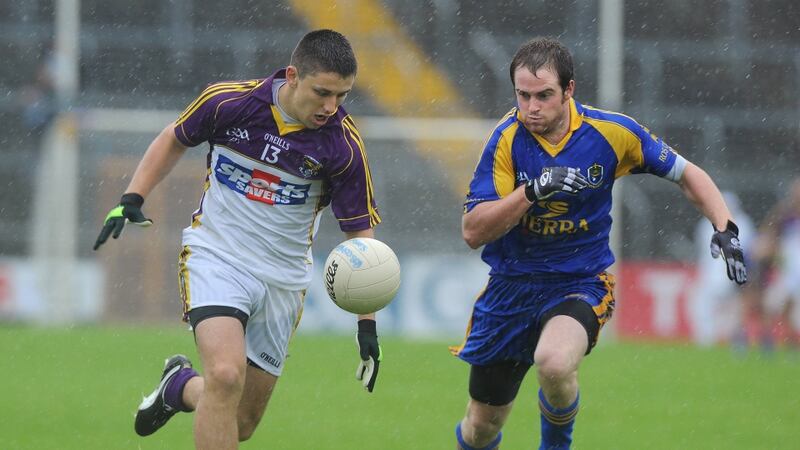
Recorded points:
(79, 388)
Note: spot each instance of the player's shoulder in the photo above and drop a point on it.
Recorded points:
(508, 121)
(227, 93)
(505, 128)
(223, 90)
(591, 114)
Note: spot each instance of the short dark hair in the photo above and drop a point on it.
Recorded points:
(324, 51)
(544, 52)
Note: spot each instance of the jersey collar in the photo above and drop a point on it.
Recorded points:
(575, 121)
(283, 127)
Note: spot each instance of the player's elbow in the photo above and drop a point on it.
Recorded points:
(471, 231)
(471, 237)
(472, 242)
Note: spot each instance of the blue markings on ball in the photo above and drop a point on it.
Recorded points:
(361, 245)
(355, 261)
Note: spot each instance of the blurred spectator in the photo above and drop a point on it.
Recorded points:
(714, 309)
(779, 249)
(37, 100)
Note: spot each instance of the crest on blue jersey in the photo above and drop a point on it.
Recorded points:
(311, 167)
(595, 176)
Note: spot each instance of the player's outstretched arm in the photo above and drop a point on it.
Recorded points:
(700, 189)
(159, 159)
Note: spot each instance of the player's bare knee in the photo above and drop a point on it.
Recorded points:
(226, 378)
(555, 366)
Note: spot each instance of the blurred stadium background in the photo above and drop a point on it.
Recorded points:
(86, 84)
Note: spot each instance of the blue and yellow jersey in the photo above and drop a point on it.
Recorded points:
(566, 234)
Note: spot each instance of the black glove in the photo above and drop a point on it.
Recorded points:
(552, 180)
(128, 210)
(371, 353)
(727, 243)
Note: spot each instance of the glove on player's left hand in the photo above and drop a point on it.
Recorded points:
(370, 352)
(727, 243)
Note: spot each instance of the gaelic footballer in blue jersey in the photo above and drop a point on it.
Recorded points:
(540, 203)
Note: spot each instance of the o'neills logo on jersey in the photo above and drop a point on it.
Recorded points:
(259, 185)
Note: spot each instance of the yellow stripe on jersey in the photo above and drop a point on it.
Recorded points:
(206, 185)
(350, 131)
(503, 167)
(214, 90)
(183, 281)
(310, 236)
(283, 127)
(574, 123)
(486, 142)
(216, 87)
(626, 144)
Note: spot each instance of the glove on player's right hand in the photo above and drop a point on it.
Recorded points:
(555, 179)
(128, 210)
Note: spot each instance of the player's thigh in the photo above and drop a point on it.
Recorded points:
(221, 344)
(258, 387)
(569, 329)
(563, 342)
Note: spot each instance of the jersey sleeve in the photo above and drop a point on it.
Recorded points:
(494, 175)
(647, 153)
(197, 122)
(350, 182)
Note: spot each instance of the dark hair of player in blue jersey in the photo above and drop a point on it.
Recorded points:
(324, 51)
(544, 52)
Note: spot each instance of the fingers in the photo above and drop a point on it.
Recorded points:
(103, 237)
(367, 373)
(741, 273)
(715, 250)
(373, 377)
(118, 225)
(737, 271)
(362, 367)
(574, 181)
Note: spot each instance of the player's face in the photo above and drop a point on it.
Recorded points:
(317, 96)
(543, 105)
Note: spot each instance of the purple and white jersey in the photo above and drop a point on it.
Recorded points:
(268, 180)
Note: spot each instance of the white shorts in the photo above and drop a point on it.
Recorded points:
(274, 313)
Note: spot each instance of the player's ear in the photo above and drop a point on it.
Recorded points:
(292, 76)
(570, 90)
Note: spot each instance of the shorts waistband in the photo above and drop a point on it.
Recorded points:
(547, 277)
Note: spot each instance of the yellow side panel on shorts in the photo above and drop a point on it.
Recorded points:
(183, 281)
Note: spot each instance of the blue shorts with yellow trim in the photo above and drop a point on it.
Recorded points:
(509, 315)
